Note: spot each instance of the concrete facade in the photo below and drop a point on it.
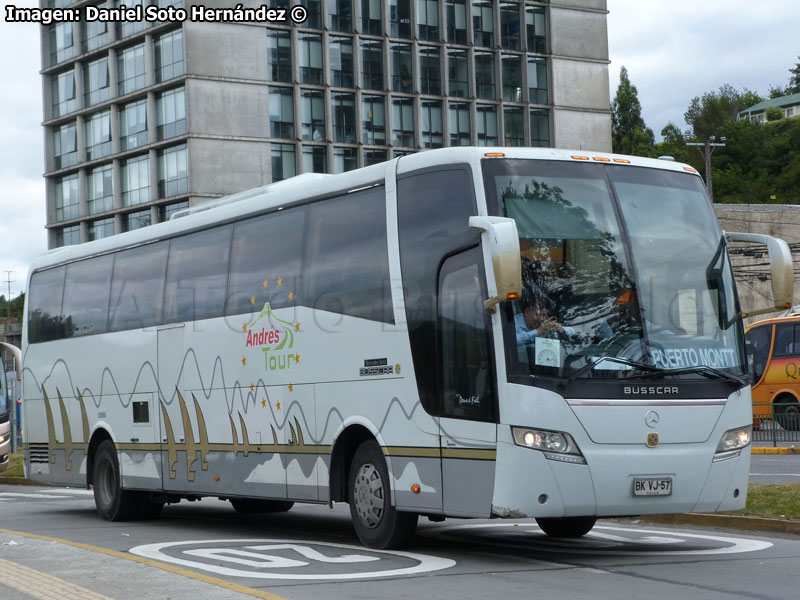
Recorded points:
(142, 119)
(750, 262)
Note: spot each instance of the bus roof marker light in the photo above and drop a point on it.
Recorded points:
(623, 161)
(690, 169)
(601, 159)
(577, 157)
(494, 154)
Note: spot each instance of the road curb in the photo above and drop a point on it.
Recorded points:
(771, 450)
(20, 481)
(727, 521)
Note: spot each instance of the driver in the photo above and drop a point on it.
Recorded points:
(535, 320)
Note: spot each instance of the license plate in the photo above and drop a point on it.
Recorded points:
(652, 487)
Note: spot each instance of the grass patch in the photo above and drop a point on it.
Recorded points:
(779, 501)
(14, 467)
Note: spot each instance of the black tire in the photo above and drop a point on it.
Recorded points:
(788, 415)
(567, 527)
(113, 503)
(377, 523)
(249, 506)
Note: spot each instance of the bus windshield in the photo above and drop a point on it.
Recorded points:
(624, 271)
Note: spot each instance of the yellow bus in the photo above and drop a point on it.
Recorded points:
(773, 355)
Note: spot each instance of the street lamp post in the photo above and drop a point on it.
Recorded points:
(707, 150)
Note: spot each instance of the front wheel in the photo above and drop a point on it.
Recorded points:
(113, 503)
(568, 527)
(377, 523)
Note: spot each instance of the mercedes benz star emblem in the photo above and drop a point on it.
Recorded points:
(652, 419)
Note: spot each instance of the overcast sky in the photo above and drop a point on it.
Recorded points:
(674, 50)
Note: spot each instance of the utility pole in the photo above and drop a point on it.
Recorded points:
(8, 298)
(707, 150)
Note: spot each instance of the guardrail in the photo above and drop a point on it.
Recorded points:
(776, 423)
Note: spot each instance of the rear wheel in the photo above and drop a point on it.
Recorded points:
(249, 506)
(787, 411)
(113, 503)
(377, 523)
(568, 527)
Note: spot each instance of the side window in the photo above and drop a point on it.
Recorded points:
(44, 306)
(787, 340)
(265, 261)
(758, 341)
(197, 275)
(466, 366)
(137, 287)
(347, 263)
(86, 292)
(433, 210)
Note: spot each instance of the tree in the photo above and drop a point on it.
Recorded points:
(776, 91)
(709, 113)
(629, 134)
(773, 113)
(794, 80)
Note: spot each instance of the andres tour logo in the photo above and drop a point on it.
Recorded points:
(275, 338)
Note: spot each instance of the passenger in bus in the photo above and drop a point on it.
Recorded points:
(535, 320)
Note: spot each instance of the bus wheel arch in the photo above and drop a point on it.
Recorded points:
(112, 501)
(98, 437)
(344, 448)
(788, 415)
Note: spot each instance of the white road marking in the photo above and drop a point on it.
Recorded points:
(776, 474)
(74, 492)
(426, 563)
(31, 495)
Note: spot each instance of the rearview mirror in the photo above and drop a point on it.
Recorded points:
(781, 269)
(500, 236)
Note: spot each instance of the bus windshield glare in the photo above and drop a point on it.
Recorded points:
(624, 272)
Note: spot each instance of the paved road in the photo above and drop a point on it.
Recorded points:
(311, 552)
(775, 468)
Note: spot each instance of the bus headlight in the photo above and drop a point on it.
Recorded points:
(732, 442)
(556, 445)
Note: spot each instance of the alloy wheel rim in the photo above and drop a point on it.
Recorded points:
(369, 496)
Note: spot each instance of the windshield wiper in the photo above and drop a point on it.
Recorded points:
(706, 371)
(623, 361)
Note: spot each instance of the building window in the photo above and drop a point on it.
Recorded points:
(171, 118)
(169, 56)
(281, 112)
(95, 33)
(512, 77)
(283, 161)
(484, 75)
(403, 122)
(456, 15)
(537, 80)
(166, 212)
(135, 181)
(373, 120)
(101, 229)
(343, 112)
(133, 125)
(100, 190)
(509, 26)
(173, 172)
(96, 85)
(371, 65)
(279, 55)
(68, 204)
(61, 45)
(344, 159)
(372, 17)
(430, 72)
(483, 23)
(540, 128)
(63, 86)
(68, 236)
(535, 29)
(373, 156)
(513, 125)
(130, 70)
(340, 15)
(132, 27)
(98, 135)
(486, 125)
(428, 20)
(460, 131)
(310, 58)
(65, 146)
(137, 220)
(312, 112)
(431, 124)
(457, 73)
(400, 18)
(314, 18)
(402, 79)
(315, 159)
(340, 52)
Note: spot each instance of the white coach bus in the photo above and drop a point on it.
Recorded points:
(459, 332)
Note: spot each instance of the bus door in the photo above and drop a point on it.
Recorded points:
(468, 397)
